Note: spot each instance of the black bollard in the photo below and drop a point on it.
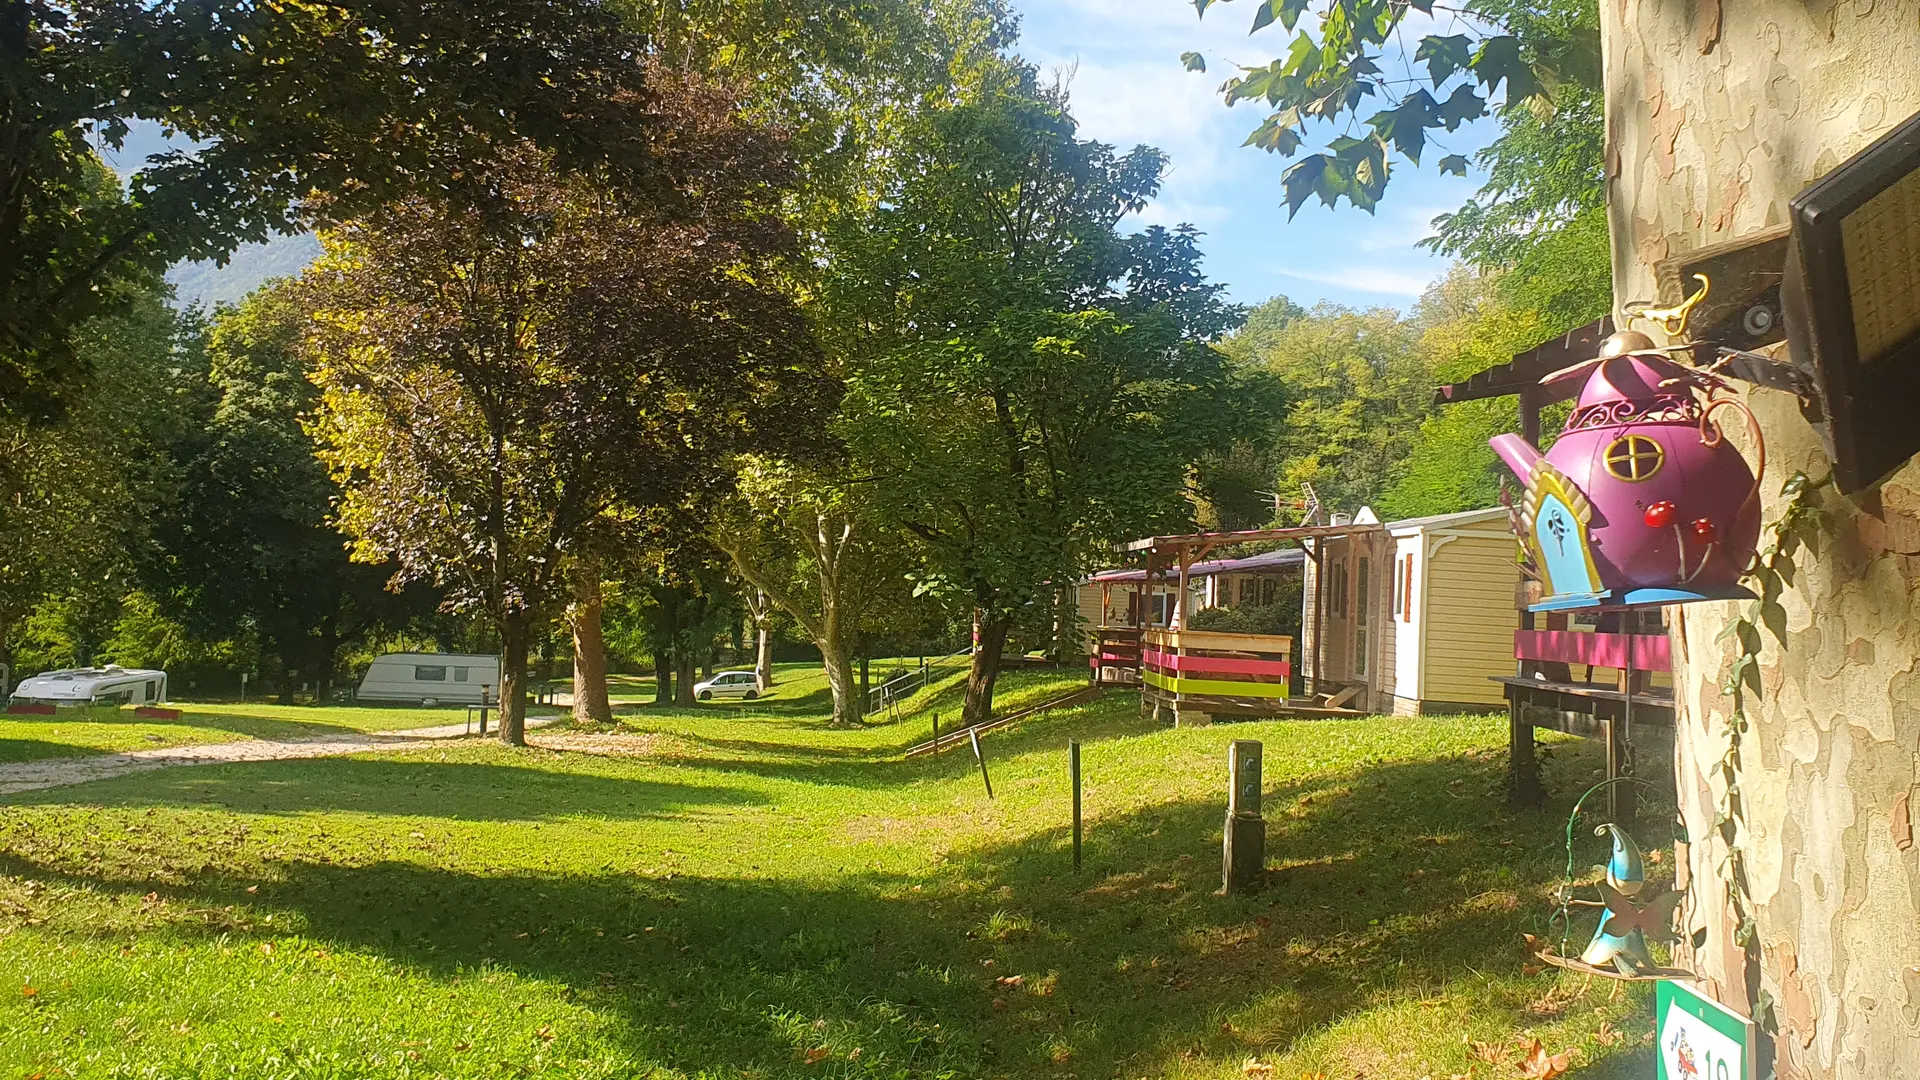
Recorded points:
(1243, 855)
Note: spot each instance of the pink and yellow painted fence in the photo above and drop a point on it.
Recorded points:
(1252, 669)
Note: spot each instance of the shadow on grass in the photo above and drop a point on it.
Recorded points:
(410, 788)
(1392, 885)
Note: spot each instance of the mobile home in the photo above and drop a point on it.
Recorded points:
(432, 679)
(110, 685)
(1416, 617)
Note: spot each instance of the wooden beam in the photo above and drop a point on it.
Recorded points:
(1743, 309)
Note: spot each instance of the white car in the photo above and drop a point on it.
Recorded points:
(735, 684)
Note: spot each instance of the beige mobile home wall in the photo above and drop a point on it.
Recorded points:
(1464, 592)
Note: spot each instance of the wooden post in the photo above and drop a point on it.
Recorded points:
(1243, 859)
(1177, 618)
(936, 733)
(1073, 769)
(1319, 616)
(1521, 761)
(483, 707)
(974, 735)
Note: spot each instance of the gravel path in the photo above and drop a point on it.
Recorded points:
(59, 772)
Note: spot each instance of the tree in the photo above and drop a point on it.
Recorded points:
(364, 102)
(497, 379)
(816, 548)
(248, 543)
(76, 495)
(1353, 386)
(1017, 406)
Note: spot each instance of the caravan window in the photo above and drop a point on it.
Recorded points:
(153, 690)
(429, 673)
(460, 674)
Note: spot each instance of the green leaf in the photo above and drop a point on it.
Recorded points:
(1498, 61)
(1302, 180)
(1455, 164)
(1193, 61)
(1303, 57)
(1406, 125)
(1276, 136)
(1263, 16)
(1465, 104)
(1775, 618)
(1444, 55)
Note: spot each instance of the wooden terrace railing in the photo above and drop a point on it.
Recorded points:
(1215, 670)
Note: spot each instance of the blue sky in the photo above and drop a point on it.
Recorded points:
(1129, 87)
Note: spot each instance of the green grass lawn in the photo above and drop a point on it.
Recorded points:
(744, 891)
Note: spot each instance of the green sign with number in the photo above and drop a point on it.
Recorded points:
(1699, 1038)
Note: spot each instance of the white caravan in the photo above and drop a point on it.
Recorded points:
(110, 685)
(431, 678)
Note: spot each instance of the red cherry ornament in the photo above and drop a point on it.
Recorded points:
(1660, 515)
(1705, 531)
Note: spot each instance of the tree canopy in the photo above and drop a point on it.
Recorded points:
(1533, 63)
(1029, 382)
(364, 102)
(496, 379)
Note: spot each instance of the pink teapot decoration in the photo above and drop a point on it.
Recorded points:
(1641, 500)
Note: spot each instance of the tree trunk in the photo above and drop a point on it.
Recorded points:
(990, 641)
(662, 676)
(590, 701)
(1802, 815)
(760, 610)
(683, 679)
(706, 665)
(513, 678)
(763, 657)
(837, 659)
(865, 700)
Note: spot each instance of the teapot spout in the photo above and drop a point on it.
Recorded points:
(1518, 453)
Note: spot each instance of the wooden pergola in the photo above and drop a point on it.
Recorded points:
(1162, 554)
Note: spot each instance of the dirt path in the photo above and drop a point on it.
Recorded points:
(59, 772)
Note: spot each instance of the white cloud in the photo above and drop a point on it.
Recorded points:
(1368, 279)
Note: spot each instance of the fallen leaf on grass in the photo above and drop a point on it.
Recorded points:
(818, 1054)
(1539, 1065)
(1491, 1053)
(461, 1048)
(1607, 1035)
(253, 888)
(1255, 1067)
(30, 991)
(999, 1004)
(545, 1033)
(1011, 980)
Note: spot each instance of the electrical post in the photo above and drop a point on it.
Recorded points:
(1244, 847)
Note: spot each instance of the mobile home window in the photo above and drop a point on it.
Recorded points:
(460, 674)
(1269, 591)
(1360, 593)
(1247, 587)
(429, 673)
